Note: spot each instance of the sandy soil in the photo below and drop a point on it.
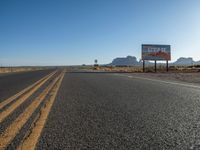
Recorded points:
(17, 69)
(183, 77)
(148, 69)
(189, 75)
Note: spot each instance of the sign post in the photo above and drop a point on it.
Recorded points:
(95, 61)
(156, 53)
(167, 66)
(143, 65)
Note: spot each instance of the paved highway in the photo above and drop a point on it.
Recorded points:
(13, 82)
(111, 111)
(115, 111)
(23, 115)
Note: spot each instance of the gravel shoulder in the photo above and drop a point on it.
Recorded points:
(193, 78)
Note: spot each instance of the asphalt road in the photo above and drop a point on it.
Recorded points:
(12, 83)
(116, 111)
(22, 111)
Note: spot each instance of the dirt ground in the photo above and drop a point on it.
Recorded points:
(16, 69)
(183, 77)
(189, 75)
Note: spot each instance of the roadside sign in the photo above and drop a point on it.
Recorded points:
(156, 52)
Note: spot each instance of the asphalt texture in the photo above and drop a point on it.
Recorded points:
(28, 125)
(26, 79)
(109, 111)
(13, 83)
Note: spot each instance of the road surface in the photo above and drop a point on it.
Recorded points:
(107, 111)
(10, 83)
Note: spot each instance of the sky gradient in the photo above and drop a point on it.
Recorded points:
(74, 32)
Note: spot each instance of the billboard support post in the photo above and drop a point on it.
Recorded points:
(143, 65)
(167, 66)
(155, 66)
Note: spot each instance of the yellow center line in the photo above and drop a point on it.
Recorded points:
(8, 135)
(31, 140)
(9, 100)
(16, 104)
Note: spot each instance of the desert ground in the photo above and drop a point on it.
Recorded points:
(19, 69)
(181, 74)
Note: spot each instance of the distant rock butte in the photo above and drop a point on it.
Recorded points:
(125, 61)
(186, 61)
(132, 61)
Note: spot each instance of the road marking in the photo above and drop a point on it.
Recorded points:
(8, 135)
(162, 81)
(9, 100)
(32, 139)
(16, 104)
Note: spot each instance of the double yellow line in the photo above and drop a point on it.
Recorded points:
(30, 140)
(22, 97)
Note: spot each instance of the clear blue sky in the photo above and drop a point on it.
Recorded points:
(71, 32)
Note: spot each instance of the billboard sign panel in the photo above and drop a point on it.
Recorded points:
(156, 52)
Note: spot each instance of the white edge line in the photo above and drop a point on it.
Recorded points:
(156, 80)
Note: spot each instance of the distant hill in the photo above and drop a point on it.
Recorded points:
(132, 61)
(125, 61)
(197, 63)
(186, 61)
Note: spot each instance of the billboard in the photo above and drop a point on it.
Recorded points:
(156, 52)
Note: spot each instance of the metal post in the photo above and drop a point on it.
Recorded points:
(143, 65)
(155, 66)
(167, 66)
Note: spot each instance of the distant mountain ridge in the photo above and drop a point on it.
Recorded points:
(132, 61)
(125, 61)
(186, 61)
